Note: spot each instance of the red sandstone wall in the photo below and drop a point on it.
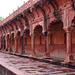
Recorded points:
(73, 43)
(8, 44)
(13, 45)
(19, 45)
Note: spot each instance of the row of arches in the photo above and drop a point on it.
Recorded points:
(40, 10)
(57, 40)
(43, 30)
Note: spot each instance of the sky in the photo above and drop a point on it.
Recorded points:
(7, 6)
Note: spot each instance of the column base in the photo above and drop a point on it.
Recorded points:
(33, 54)
(22, 53)
(46, 55)
(13, 52)
(6, 49)
(16, 51)
(69, 58)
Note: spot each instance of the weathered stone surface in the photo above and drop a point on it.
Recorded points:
(24, 66)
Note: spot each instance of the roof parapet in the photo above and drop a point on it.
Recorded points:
(19, 10)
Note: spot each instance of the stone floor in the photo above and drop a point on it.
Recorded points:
(32, 67)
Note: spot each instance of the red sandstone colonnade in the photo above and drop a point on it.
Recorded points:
(43, 28)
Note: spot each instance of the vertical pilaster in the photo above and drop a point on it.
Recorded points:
(33, 45)
(10, 44)
(0, 43)
(16, 44)
(6, 43)
(47, 52)
(45, 34)
(69, 57)
(22, 52)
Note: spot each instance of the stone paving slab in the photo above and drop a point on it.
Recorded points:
(25, 66)
(49, 60)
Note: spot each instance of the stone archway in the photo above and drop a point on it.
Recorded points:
(73, 38)
(27, 42)
(39, 41)
(3, 43)
(19, 42)
(73, 43)
(57, 40)
(8, 43)
(12, 42)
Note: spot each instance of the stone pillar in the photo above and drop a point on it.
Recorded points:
(22, 52)
(6, 44)
(0, 43)
(47, 52)
(3, 43)
(10, 44)
(33, 45)
(69, 57)
(45, 34)
(16, 44)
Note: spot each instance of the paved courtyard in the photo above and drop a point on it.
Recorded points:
(32, 67)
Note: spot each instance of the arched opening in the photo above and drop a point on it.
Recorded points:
(39, 41)
(0, 42)
(57, 40)
(73, 43)
(73, 38)
(12, 42)
(27, 41)
(19, 42)
(3, 43)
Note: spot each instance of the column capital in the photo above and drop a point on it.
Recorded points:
(49, 32)
(45, 33)
(33, 35)
(33, 45)
(15, 37)
(69, 29)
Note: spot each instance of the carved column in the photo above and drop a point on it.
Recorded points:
(6, 44)
(69, 57)
(33, 45)
(47, 52)
(0, 43)
(16, 44)
(45, 34)
(10, 44)
(22, 52)
(3, 43)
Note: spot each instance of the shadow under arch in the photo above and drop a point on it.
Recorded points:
(19, 46)
(39, 41)
(27, 41)
(3, 42)
(8, 42)
(12, 42)
(57, 40)
(73, 37)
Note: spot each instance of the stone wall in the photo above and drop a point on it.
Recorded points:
(4, 71)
